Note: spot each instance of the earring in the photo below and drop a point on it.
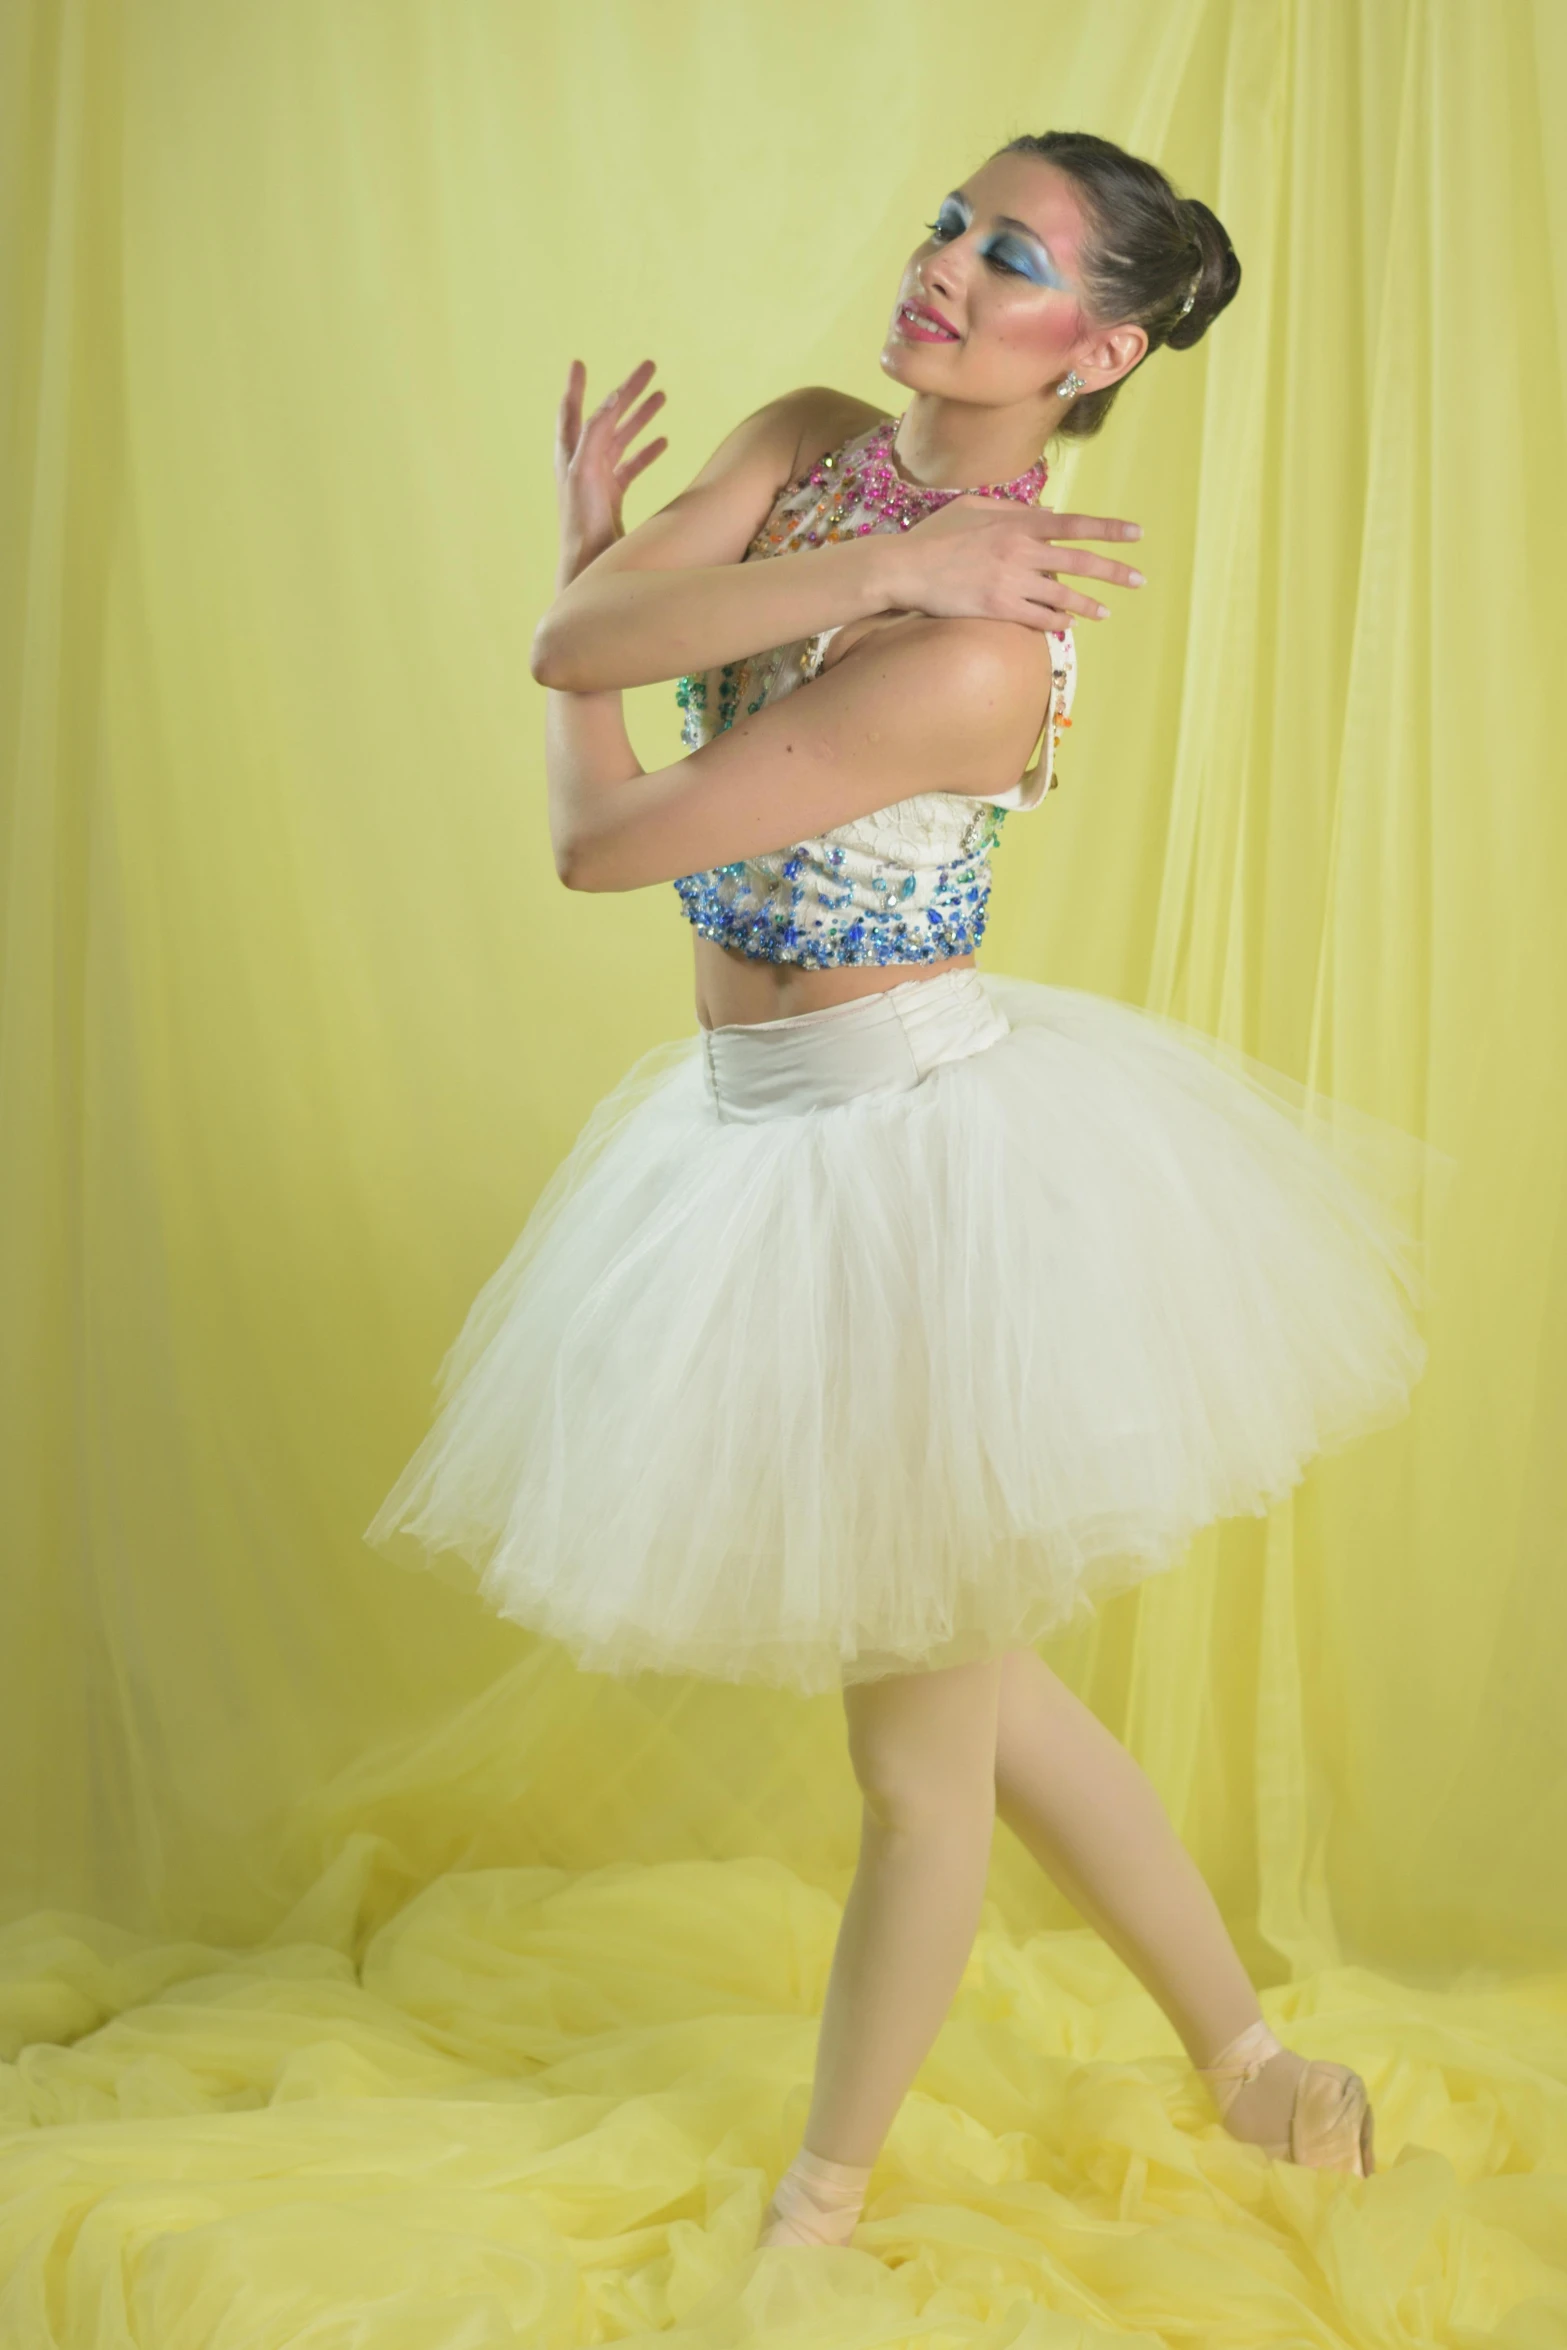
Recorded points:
(1072, 383)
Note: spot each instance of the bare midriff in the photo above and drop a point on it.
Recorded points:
(734, 989)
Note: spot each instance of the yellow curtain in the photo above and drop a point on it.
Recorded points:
(370, 1976)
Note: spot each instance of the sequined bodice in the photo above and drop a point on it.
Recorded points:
(911, 883)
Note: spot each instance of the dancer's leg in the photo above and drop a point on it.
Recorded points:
(1083, 1806)
(923, 1746)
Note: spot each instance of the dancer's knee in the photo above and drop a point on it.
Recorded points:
(906, 1797)
(923, 1749)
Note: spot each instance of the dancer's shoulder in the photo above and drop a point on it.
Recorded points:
(789, 433)
(716, 517)
(824, 420)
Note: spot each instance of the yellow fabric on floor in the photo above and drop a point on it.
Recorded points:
(548, 2106)
(480, 2104)
(371, 1978)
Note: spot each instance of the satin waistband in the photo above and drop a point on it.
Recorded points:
(883, 1043)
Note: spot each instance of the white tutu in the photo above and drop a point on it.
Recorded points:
(891, 1336)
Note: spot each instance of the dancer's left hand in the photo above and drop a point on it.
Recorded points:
(592, 472)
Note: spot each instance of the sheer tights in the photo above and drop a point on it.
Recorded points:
(938, 1756)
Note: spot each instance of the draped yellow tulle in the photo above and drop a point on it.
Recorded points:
(489, 2103)
(371, 1977)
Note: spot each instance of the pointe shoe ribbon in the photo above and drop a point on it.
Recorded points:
(815, 2202)
(1331, 2125)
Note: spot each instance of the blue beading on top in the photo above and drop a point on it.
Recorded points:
(802, 905)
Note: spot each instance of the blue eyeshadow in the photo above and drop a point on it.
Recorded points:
(1027, 258)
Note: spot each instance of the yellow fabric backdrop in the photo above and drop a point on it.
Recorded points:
(372, 1977)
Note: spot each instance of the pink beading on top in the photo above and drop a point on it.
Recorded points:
(868, 476)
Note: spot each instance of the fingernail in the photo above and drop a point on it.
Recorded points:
(1134, 530)
(1137, 579)
(1101, 611)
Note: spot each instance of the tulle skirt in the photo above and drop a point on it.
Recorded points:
(894, 1335)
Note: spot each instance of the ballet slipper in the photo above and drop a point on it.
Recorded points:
(815, 2202)
(1330, 2125)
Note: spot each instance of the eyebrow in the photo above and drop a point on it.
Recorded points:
(1006, 220)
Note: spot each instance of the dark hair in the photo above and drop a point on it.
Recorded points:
(1147, 249)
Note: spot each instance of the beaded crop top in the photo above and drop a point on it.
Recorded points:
(910, 884)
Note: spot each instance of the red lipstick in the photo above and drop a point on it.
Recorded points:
(918, 323)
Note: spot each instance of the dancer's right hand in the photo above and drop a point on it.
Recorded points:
(990, 559)
(592, 468)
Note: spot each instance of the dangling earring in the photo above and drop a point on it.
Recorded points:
(1073, 383)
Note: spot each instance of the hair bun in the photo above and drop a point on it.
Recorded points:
(1218, 275)
(1144, 249)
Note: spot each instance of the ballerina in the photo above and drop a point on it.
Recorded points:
(908, 1309)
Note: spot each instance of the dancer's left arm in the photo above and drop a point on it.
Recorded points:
(922, 705)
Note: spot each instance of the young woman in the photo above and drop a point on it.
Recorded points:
(873, 1332)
